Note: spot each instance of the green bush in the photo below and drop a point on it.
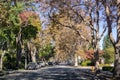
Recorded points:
(86, 63)
(107, 68)
(9, 61)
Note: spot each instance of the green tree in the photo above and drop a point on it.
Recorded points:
(108, 50)
(27, 25)
(29, 31)
(109, 55)
(4, 28)
(46, 52)
(111, 6)
(106, 42)
(12, 29)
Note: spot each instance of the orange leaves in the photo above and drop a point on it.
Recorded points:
(26, 15)
(30, 17)
(90, 54)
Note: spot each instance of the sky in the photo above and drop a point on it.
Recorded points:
(114, 32)
(101, 24)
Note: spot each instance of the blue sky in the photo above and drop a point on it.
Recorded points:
(114, 32)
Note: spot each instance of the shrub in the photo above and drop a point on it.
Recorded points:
(107, 68)
(86, 63)
(101, 65)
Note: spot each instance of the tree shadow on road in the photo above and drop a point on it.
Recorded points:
(54, 74)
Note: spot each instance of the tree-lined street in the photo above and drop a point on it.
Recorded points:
(55, 73)
(42, 33)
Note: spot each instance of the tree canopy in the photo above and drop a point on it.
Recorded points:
(30, 27)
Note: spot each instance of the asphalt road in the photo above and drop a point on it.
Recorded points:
(53, 73)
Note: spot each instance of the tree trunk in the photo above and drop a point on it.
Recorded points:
(19, 48)
(25, 62)
(18, 56)
(1, 60)
(76, 60)
(96, 54)
(32, 50)
(96, 50)
(33, 55)
(116, 73)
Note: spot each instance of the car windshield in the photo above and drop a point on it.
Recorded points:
(41, 62)
(32, 63)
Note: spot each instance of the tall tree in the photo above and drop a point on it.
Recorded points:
(13, 25)
(106, 42)
(5, 28)
(108, 50)
(60, 18)
(94, 20)
(29, 29)
(112, 13)
(79, 14)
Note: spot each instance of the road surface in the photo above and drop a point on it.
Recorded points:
(52, 73)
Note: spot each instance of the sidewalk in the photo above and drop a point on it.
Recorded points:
(4, 72)
(103, 74)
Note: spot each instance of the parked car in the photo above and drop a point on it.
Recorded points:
(56, 63)
(41, 63)
(31, 66)
(38, 66)
(50, 63)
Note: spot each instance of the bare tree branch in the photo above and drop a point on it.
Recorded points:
(71, 27)
(103, 33)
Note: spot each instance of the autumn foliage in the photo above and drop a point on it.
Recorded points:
(30, 17)
(90, 54)
(26, 15)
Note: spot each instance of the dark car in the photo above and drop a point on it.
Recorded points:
(50, 63)
(56, 63)
(31, 66)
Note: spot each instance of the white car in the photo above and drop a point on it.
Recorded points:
(41, 64)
